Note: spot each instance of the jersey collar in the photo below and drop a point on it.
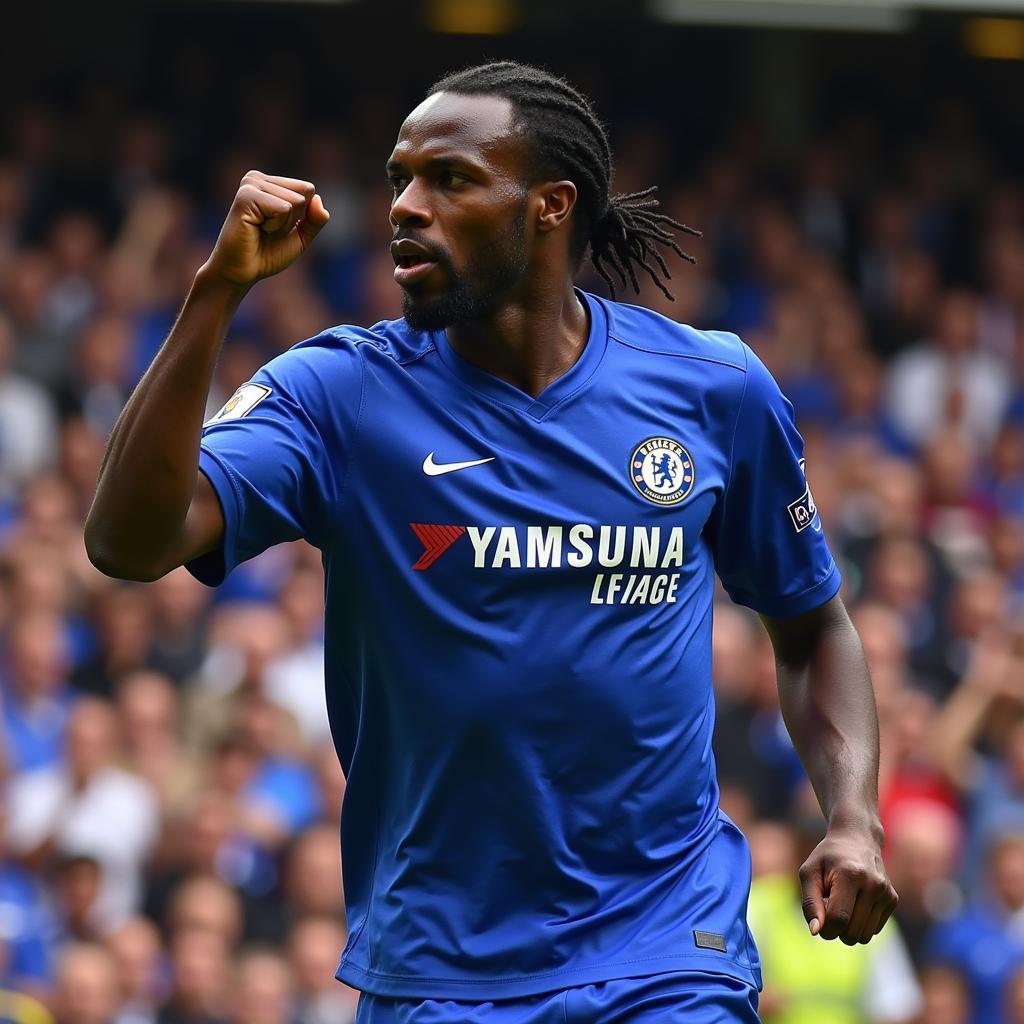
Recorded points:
(574, 379)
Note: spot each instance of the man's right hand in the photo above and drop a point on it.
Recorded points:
(272, 221)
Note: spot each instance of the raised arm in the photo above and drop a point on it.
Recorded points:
(829, 707)
(993, 674)
(153, 509)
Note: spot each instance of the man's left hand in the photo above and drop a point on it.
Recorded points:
(846, 892)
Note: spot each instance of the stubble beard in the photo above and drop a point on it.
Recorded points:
(497, 269)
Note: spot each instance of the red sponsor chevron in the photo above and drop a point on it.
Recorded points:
(436, 541)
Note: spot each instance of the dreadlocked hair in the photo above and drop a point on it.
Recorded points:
(624, 232)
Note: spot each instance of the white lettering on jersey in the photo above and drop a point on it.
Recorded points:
(507, 549)
(634, 588)
(480, 539)
(674, 551)
(604, 555)
(645, 547)
(543, 547)
(584, 554)
(611, 547)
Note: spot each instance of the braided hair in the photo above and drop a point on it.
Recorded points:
(623, 231)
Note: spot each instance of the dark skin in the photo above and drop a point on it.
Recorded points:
(462, 199)
(458, 172)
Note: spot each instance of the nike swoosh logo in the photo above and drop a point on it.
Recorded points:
(432, 468)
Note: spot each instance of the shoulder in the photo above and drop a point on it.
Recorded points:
(644, 330)
(720, 361)
(340, 353)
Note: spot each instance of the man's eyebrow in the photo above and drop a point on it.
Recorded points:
(442, 159)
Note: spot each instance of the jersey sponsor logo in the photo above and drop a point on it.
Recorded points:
(241, 403)
(432, 468)
(580, 546)
(661, 470)
(555, 547)
(803, 512)
(436, 540)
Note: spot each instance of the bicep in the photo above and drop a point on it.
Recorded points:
(794, 637)
(203, 529)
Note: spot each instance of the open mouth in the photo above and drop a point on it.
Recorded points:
(411, 267)
(409, 262)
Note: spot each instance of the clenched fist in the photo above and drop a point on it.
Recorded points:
(272, 221)
(846, 892)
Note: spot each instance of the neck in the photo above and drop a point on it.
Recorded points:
(530, 341)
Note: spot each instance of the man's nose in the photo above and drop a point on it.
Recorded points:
(411, 206)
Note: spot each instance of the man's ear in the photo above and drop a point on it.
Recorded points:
(557, 200)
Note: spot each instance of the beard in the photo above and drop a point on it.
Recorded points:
(496, 270)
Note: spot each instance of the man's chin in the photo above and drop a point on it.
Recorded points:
(423, 314)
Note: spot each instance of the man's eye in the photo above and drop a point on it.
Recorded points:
(452, 178)
(397, 184)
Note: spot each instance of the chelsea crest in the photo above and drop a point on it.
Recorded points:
(661, 470)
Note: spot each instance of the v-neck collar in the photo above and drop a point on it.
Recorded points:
(498, 390)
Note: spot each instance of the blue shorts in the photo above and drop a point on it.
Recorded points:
(674, 998)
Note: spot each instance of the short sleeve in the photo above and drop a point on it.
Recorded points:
(273, 460)
(765, 533)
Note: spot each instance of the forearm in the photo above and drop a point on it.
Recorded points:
(829, 707)
(148, 475)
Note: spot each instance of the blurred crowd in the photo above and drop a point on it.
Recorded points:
(170, 796)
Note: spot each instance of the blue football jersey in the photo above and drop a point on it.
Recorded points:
(518, 636)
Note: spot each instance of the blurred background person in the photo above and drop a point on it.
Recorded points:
(137, 950)
(87, 805)
(313, 942)
(87, 989)
(984, 942)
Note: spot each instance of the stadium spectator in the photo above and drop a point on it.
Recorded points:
(205, 904)
(87, 989)
(89, 806)
(983, 941)
(262, 990)
(76, 881)
(246, 641)
(923, 845)
(178, 602)
(42, 346)
(27, 929)
(313, 944)
(947, 381)
(295, 679)
(201, 983)
(28, 423)
(945, 996)
(988, 698)
(36, 699)
(123, 639)
(136, 949)
(196, 843)
(313, 874)
(100, 385)
(147, 704)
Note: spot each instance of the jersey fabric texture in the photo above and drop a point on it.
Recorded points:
(675, 998)
(518, 636)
